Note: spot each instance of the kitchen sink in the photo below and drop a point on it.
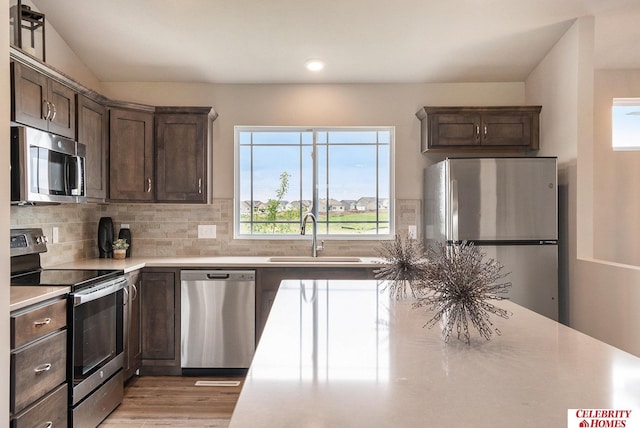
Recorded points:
(303, 259)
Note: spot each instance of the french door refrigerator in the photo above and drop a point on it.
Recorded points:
(509, 208)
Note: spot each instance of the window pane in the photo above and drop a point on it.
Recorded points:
(626, 124)
(276, 171)
(275, 137)
(352, 137)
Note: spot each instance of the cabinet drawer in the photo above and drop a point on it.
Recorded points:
(51, 411)
(35, 323)
(37, 369)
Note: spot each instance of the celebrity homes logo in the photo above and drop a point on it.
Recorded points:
(603, 418)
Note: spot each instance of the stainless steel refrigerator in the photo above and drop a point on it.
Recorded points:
(509, 208)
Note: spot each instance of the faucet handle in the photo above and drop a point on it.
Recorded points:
(321, 246)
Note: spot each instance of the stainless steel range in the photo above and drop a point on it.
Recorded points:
(94, 322)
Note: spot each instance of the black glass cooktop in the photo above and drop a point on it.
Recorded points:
(75, 278)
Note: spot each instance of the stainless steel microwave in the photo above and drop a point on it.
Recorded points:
(46, 168)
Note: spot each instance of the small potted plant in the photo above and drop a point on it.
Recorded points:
(120, 248)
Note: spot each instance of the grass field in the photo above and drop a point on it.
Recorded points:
(338, 223)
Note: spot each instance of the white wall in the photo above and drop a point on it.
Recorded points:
(5, 198)
(60, 56)
(600, 298)
(616, 175)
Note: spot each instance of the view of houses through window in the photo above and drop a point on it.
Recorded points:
(342, 175)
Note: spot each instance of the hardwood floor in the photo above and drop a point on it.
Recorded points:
(175, 401)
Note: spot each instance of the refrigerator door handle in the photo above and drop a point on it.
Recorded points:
(454, 210)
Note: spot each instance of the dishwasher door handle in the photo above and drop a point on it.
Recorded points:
(217, 276)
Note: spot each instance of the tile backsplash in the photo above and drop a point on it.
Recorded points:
(166, 230)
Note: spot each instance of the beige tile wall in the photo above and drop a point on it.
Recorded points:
(163, 230)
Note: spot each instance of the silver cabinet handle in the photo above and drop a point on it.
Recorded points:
(477, 129)
(200, 185)
(53, 114)
(46, 106)
(135, 292)
(40, 323)
(42, 368)
(48, 424)
(148, 185)
(126, 296)
(485, 129)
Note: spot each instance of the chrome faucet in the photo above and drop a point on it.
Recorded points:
(303, 227)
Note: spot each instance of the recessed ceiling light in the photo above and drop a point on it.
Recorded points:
(314, 65)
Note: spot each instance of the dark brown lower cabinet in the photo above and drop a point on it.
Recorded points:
(51, 410)
(160, 321)
(38, 365)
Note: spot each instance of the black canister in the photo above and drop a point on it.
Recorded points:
(105, 238)
(125, 233)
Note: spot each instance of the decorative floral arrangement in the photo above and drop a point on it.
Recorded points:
(455, 281)
(120, 244)
(404, 265)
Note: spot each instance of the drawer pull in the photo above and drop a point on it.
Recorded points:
(42, 322)
(43, 368)
(48, 424)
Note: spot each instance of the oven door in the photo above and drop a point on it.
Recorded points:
(97, 336)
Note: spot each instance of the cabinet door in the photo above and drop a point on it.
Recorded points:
(62, 100)
(181, 156)
(28, 96)
(41, 102)
(131, 173)
(460, 129)
(92, 132)
(506, 129)
(160, 322)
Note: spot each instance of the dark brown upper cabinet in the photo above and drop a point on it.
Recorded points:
(131, 155)
(475, 129)
(41, 102)
(182, 153)
(93, 132)
(129, 158)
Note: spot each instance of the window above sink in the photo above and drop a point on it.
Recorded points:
(343, 175)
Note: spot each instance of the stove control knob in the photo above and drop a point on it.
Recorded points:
(41, 240)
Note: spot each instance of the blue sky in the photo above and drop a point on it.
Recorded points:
(626, 125)
(352, 167)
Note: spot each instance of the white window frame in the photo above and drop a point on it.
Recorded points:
(620, 140)
(360, 237)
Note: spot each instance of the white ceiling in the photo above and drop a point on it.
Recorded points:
(268, 41)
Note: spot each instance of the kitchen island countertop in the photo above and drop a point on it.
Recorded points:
(342, 354)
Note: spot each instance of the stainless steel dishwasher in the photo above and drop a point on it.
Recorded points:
(217, 318)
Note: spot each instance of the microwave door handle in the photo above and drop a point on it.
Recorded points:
(79, 177)
(74, 169)
(67, 175)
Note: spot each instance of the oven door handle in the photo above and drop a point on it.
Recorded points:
(85, 296)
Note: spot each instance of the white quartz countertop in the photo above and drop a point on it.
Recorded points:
(135, 263)
(341, 354)
(23, 296)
